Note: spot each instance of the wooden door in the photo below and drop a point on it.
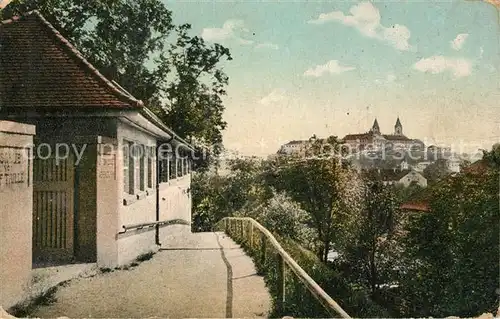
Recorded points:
(53, 210)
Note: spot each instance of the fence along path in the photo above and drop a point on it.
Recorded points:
(257, 238)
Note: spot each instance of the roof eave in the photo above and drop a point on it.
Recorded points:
(156, 121)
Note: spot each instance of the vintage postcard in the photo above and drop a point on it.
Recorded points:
(240, 159)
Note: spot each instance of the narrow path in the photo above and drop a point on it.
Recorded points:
(202, 275)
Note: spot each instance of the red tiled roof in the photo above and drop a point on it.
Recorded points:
(477, 168)
(391, 137)
(40, 70)
(364, 136)
(416, 206)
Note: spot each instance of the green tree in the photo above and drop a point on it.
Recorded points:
(135, 43)
(284, 217)
(451, 253)
(331, 146)
(404, 193)
(368, 259)
(493, 156)
(436, 171)
(239, 193)
(329, 193)
(209, 200)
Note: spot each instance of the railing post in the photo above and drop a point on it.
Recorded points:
(281, 285)
(250, 234)
(236, 228)
(262, 249)
(242, 230)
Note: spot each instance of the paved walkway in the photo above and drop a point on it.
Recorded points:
(202, 275)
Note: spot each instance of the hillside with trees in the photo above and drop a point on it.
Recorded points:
(388, 261)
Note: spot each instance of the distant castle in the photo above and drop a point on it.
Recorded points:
(373, 138)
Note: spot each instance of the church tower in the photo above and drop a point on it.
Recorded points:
(375, 128)
(398, 128)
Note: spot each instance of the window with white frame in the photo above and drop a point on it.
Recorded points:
(164, 166)
(179, 167)
(142, 175)
(151, 157)
(171, 167)
(128, 167)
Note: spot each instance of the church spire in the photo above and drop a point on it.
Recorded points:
(398, 128)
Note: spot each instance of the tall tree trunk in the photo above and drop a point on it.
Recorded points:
(326, 250)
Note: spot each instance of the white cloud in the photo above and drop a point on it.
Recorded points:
(231, 30)
(267, 45)
(331, 67)
(459, 41)
(459, 67)
(366, 18)
(389, 79)
(276, 96)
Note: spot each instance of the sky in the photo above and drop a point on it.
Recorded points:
(330, 68)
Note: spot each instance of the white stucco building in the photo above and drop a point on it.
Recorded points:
(296, 147)
(375, 140)
(108, 176)
(405, 177)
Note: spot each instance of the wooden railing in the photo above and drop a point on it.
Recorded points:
(153, 224)
(259, 240)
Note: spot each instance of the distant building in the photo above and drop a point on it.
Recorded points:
(404, 165)
(294, 147)
(299, 147)
(437, 152)
(420, 202)
(419, 167)
(374, 139)
(453, 164)
(412, 177)
(405, 177)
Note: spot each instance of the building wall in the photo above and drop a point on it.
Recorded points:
(175, 203)
(413, 177)
(16, 212)
(107, 203)
(136, 242)
(453, 165)
(118, 206)
(295, 148)
(136, 208)
(79, 134)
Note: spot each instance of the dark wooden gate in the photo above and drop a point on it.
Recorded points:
(53, 210)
